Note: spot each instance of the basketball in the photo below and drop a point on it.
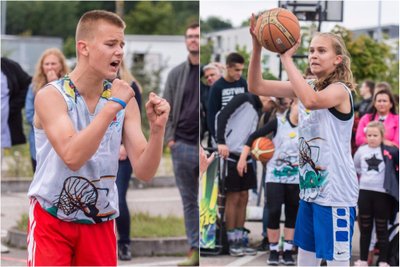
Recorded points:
(262, 149)
(277, 30)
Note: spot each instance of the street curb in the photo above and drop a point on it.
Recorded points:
(167, 246)
(140, 247)
(20, 185)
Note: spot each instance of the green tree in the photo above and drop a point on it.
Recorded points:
(214, 24)
(206, 51)
(150, 17)
(371, 59)
(185, 13)
(59, 18)
(42, 18)
(266, 73)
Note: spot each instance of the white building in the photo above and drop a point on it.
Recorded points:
(156, 51)
(226, 41)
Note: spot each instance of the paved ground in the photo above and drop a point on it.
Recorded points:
(261, 258)
(155, 201)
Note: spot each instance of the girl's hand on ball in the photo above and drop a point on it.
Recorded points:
(256, 43)
(292, 51)
(253, 26)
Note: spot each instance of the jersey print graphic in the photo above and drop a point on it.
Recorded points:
(312, 177)
(373, 163)
(80, 194)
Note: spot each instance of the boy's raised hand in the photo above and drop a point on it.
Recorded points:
(157, 109)
(122, 90)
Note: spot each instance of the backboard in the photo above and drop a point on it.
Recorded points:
(315, 10)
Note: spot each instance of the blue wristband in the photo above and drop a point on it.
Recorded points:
(119, 101)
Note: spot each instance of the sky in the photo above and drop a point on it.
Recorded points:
(356, 14)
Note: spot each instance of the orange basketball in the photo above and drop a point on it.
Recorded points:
(262, 149)
(277, 30)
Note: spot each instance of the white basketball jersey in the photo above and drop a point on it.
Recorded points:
(283, 167)
(327, 172)
(88, 195)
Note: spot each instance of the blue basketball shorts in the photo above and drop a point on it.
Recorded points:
(325, 230)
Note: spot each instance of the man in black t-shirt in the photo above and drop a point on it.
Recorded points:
(182, 136)
(223, 90)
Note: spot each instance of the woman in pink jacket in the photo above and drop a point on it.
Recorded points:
(384, 110)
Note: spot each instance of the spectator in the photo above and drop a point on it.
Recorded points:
(282, 182)
(384, 110)
(17, 81)
(5, 109)
(377, 165)
(182, 136)
(50, 67)
(366, 91)
(382, 85)
(211, 73)
(234, 124)
(223, 90)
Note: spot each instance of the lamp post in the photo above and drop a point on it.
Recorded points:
(379, 30)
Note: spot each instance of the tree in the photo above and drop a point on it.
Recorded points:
(40, 18)
(214, 24)
(185, 13)
(149, 17)
(370, 59)
(161, 17)
(206, 52)
(59, 18)
(267, 74)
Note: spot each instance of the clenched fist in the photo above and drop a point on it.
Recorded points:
(157, 109)
(122, 90)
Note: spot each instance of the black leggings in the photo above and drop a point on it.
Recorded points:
(374, 205)
(278, 194)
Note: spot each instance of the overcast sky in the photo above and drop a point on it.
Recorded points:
(357, 14)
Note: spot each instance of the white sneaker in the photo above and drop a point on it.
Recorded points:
(361, 263)
(383, 264)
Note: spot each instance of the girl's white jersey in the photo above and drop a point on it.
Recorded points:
(283, 167)
(327, 173)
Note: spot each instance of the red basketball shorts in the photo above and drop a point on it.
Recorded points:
(53, 242)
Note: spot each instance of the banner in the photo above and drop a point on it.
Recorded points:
(208, 206)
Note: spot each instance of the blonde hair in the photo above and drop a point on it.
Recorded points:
(39, 78)
(89, 21)
(126, 75)
(342, 72)
(220, 68)
(382, 85)
(378, 125)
